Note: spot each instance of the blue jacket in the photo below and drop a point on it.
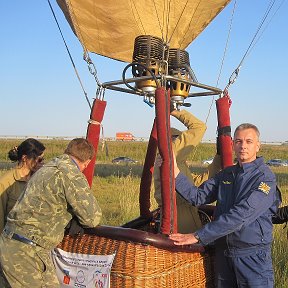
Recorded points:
(246, 200)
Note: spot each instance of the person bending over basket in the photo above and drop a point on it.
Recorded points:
(183, 143)
(54, 194)
(247, 198)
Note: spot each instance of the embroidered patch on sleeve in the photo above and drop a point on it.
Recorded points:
(226, 182)
(264, 187)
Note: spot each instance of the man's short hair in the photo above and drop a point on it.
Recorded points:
(245, 126)
(81, 149)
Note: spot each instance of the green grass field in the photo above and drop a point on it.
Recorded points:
(136, 150)
(117, 186)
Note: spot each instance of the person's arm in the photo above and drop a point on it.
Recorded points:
(246, 211)
(211, 171)
(205, 194)
(6, 180)
(83, 203)
(190, 138)
(3, 206)
(183, 145)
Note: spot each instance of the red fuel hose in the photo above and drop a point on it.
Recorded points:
(169, 211)
(146, 179)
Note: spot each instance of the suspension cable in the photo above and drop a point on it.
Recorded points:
(252, 44)
(161, 28)
(223, 58)
(138, 15)
(272, 2)
(191, 19)
(268, 23)
(178, 21)
(70, 56)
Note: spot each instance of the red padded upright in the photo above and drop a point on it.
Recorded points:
(93, 134)
(169, 211)
(224, 130)
(146, 179)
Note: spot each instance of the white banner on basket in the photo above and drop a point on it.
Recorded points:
(82, 270)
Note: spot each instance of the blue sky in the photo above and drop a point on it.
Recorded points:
(41, 96)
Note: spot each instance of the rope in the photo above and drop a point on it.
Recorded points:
(220, 70)
(253, 42)
(178, 21)
(223, 58)
(226, 45)
(192, 17)
(272, 2)
(138, 16)
(268, 23)
(93, 122)
(91, 67)
(70, 56)
(161, 28)
(167, 20)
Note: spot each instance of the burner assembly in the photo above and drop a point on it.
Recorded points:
(151, 57)
(179, 68)
(153, 65)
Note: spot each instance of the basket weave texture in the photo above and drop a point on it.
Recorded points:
(140, 265)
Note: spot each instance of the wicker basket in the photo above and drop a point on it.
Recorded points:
(141, 263)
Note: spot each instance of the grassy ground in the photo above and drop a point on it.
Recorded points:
(117, 186)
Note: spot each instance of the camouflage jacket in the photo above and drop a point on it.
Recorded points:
(54, 194)
(11, 186)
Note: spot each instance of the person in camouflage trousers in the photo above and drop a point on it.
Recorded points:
(36, 224)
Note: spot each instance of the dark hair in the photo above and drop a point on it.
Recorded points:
(81, 149)
(30, 147)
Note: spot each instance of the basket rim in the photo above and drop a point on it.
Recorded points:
(132, 235)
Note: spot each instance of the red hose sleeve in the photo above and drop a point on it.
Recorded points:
(146, 179)
(224, 131)
(169, 211)
(93, 132)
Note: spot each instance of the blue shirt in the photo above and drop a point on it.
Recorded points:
(246, 200)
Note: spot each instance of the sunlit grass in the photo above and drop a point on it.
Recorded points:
(118, 197)
(116, 187)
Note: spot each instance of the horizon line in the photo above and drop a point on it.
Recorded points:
(144, 139)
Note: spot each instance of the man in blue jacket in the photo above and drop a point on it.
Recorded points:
(242, 230)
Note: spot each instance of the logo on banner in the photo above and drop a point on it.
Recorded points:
(66, 279)
(82, 270)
